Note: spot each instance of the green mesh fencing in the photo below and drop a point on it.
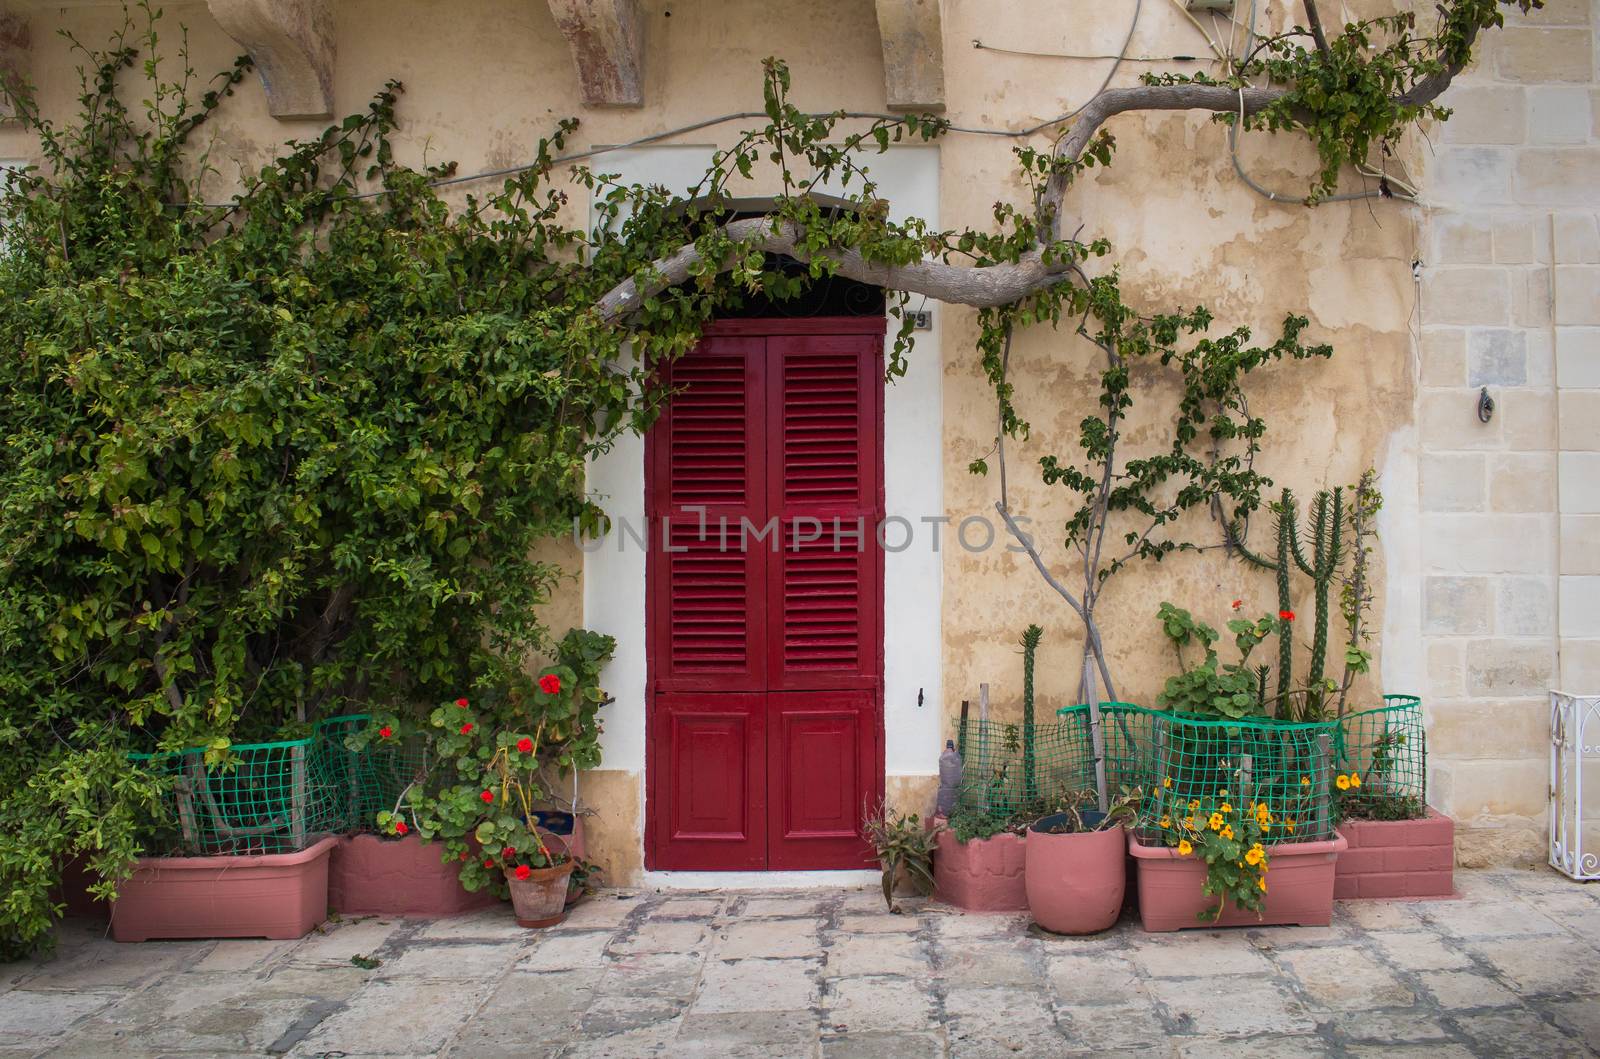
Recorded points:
(264, 798)
(1005, 774)
(1386, 750)
(1185, 763)
(374, 777)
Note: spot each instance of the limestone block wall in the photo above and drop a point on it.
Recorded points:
(1510, 509)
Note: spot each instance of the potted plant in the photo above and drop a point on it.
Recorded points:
(247, 831)
(1210, 865)
(1399, 846)
(1075, 873)
(905, 850)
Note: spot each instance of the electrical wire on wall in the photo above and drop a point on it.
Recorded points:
(1222, 55)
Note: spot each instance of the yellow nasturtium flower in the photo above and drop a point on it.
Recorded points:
(1288, 825)
(1227, 832)
(1355, 781)
(1253, 857)
(1185, 848)
(1166, 821)
(1262, 882)
(1167, 782)
(1342, 782)
(1225, 808)
(1194, 803)
(1222, 794)
(1216, 821)
(1305, 781)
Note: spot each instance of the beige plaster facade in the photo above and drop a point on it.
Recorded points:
(1491, 553)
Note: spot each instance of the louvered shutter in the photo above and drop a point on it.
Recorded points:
(824, 435)
(708, 627)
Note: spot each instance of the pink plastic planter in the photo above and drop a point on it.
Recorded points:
(1397, 858)
(1075, 883)
(395, 877)
(984, 875)
(1299, 887)
(280, 896)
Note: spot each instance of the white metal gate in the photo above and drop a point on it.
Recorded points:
(1575, 784)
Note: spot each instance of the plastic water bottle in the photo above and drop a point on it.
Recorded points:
(950, 768)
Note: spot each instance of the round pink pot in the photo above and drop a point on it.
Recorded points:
(1075, 882)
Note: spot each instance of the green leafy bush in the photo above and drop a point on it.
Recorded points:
(269, 458)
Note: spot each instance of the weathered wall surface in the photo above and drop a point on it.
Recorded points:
(1476, 552)
(1510, 509)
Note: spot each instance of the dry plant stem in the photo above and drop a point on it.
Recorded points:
(1092, 631)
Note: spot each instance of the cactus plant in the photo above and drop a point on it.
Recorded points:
(1030, 780)
(1327, 555)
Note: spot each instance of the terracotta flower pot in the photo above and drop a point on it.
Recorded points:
(371, 875)
(278, 895)
(1075, 882)
(1299, 881)
(540, 900)
(984, 875)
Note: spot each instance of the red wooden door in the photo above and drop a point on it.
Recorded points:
(764, 490)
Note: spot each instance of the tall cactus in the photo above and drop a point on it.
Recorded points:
(1327, 553)
(1030, 780)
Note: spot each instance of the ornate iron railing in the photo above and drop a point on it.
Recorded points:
(1575, 751)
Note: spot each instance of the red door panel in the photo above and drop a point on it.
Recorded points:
(823, 760)
(765, 652)
(708, 781)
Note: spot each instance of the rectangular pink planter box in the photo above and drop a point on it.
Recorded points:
(398, 877)
(278, 895)
(1299, 887)
(1397, 858)
(984, 875)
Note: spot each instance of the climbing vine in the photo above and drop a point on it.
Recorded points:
(273, 457)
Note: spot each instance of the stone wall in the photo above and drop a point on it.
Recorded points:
(1510, 509)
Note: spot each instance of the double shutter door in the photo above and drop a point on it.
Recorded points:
(764, 490)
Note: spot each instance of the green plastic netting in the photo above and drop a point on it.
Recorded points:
(276, 797)
(374, 777)
(1387, 748)
(264, 798)
(1180, 761)
(1005, 773)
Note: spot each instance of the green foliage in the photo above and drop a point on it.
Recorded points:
(968, 824)
(1212, 687)
(1356, 590)
(1122, 810)
(1231, 841)
(905, 847)
(1351, 97)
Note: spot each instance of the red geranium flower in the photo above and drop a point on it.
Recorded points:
(462, 703)
(509, 853)
(488, 863)
(463, 854)
(466, 728)
(523, 871)
(1286, 615)
(525, 745)
(1238, 603)
(385, 731)
(550, 684)
(400, 827)
(487, 796)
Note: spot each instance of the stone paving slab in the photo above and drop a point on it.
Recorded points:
(1510, 968)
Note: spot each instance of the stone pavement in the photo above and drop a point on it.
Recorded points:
(1510, 969)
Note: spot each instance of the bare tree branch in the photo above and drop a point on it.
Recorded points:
(1316, 26)
(956, 284)
(998, 284)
